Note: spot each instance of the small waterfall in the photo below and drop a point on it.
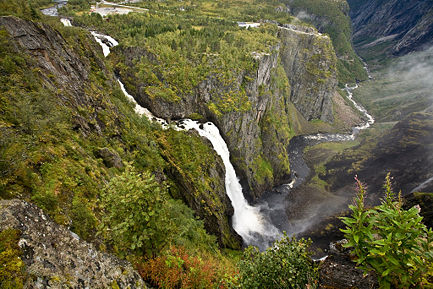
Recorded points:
(248, 222)
(66, 22)
(105, 41)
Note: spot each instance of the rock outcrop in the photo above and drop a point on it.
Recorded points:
(311, 71)
(403, 25)
(300, 70)
(56, 257)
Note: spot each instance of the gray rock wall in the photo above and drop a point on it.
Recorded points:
(56, 258)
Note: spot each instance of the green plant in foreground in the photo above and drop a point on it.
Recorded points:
(389, 240)
(285, 265)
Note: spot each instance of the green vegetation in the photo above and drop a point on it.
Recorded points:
(139, 216)
(52, 132)
(285, 265)
(331, 17)
(12, 273)
(389, 240)
(23, 8)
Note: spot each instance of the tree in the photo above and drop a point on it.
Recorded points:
(136, 217)
(285, 265)
(389, 240)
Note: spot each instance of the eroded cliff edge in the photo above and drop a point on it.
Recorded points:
(293, 82)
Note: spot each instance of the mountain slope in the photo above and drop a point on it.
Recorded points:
(395, 27)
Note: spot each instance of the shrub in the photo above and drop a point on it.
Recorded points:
(389, 240)
(135, 216)
(285, 265)
(140, 217)
(179, 269)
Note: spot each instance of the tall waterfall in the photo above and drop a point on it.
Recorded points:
(248, 222)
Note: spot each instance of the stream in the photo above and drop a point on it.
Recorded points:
(274, 204)
(53, 10)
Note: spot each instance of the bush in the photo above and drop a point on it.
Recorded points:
(285, 265)
(178, 269)
(135, 218)
(140, 217)
(389, 240)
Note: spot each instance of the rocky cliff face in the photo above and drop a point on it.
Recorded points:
(300, 69)
(62, 68)
(311, 71)
(404, 26)
(54, 257)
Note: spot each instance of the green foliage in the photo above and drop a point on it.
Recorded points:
(136, 217)
(389, 240)
(285, 265)
(140, 216)
(23, 8)
(12, 268)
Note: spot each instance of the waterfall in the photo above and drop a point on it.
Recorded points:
(103, 40)
(248, 221)
(66, 22)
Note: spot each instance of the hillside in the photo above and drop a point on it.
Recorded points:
(391, 27)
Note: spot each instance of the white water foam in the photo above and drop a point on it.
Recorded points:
(101, 39)
(66, 22)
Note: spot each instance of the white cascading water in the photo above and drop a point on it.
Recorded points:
(248, 222)
(66, 22)
(100, 38)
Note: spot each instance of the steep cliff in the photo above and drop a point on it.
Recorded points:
(252, 109)
(66, 129)
(332, 17)
(396, 27)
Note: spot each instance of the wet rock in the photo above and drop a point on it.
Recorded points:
(338, 271)
(54, 258)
